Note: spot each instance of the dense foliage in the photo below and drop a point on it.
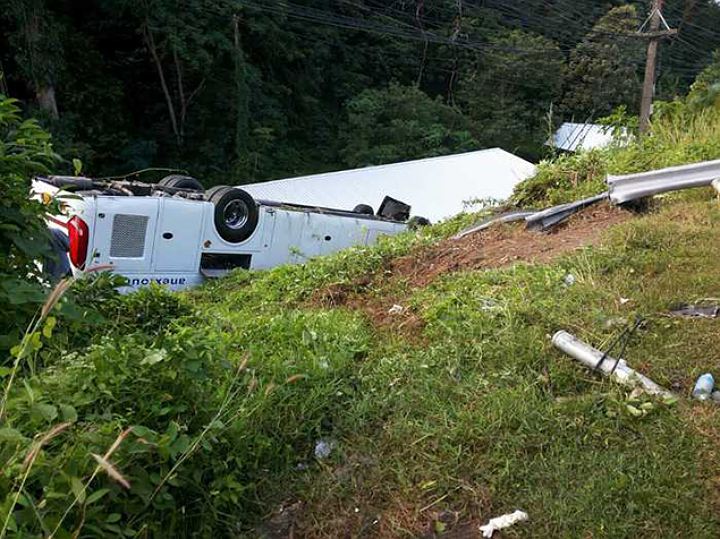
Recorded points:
(386, 126)
(25, 150)
(240, 90)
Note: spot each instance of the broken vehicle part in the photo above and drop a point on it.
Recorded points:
(697, 311)
(550, 217)
(595, 359)
(493, 219)
(629, 187)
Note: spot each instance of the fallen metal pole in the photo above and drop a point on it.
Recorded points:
(609, 366)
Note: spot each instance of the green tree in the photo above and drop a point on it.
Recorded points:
(509, 89)
(705, 91)
(37, 42)
(25, 150)
(603, 69)
(400, 123)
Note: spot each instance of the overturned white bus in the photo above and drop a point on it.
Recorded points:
(177, 234)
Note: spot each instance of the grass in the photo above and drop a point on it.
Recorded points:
(481, 416)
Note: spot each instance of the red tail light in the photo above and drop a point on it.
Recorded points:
(78, 234)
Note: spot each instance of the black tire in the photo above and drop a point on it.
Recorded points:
(416, 222)
(364, 209)
(212, 190)
(178, 181)
(236, 214)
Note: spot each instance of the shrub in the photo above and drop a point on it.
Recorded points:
(564, 179)
(25, 150)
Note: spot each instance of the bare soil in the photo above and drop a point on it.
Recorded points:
(507, 244)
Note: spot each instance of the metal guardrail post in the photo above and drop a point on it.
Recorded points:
(631, 187)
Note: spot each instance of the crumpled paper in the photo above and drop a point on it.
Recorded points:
(505, 521)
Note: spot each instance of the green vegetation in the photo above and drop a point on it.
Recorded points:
(401, 123)
(24, 151)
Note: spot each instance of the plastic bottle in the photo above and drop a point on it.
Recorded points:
(704, 387)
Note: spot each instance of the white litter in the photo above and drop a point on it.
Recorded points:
(716, 185)
(396, 309)
(323, 448)
(505, 521)
(569, 279)
(623, 301)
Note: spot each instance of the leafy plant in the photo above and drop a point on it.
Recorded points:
(25, 150)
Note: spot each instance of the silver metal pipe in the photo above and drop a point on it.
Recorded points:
(618, 368)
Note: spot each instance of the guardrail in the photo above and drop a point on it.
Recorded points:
(629, 187)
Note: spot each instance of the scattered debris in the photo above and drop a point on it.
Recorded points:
(323, 448)
(716, 185)
(488, 304)
(569, 279)
(615, 322)
(396, 309)
(715, 396)
(550, 217)
(597, 360)
(502, 522)
(623, 301)
(704, 387)
(697, 311)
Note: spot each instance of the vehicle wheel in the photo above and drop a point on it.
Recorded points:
(181, 182)
(212, 190)
(416, 222)
(364, 209)
(236, 214)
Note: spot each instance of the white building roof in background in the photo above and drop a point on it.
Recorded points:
(436, 187)
(573, 137)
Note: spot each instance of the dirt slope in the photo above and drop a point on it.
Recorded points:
(498, 246)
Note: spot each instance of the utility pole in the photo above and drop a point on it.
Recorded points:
(654, 35)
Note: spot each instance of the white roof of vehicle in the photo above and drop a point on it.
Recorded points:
(573, 137)
(436, 187)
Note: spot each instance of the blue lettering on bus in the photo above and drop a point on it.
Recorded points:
(159, 280)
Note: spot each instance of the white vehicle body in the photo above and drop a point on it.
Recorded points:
(174, 241)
